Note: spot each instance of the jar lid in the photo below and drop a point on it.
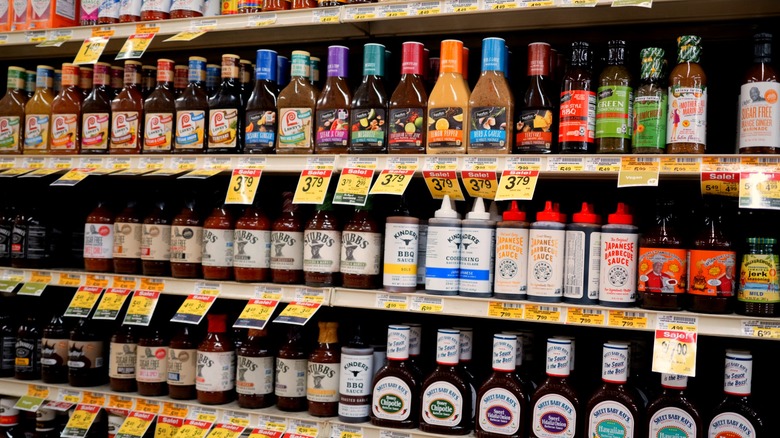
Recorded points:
(762, 240)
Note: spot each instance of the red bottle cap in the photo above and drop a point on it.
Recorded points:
(549, 214)
(514, 213)
(412, 58)
(586, 215)
(621, 215)
(217, 323)
(562, 217)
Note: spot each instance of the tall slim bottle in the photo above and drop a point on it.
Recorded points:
(127, 110)
(296, 109)
(37, 112)
(226, 112)
(160, 112)
(333, 106)
(192, 109)
(368, 121)
(407, 107)
(261, 115)
(448, 104)
(12, 113)
(534, 130)
(614, 104)
(491, 104)
(96, 112)
(577, 121)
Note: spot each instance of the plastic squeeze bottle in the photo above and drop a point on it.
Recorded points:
(545, 260)
(511, 277)
(478, 250)
(442, 260)
(619, 250)
(583, 254)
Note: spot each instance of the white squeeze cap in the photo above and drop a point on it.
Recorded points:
(478, 210)
(446, 210)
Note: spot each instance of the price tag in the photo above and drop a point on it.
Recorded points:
(90, 50)
(135, 425)
(83, 301)
(69, 396)
(635, 172)
(393, 11)
(396, 177)
(223, 430)
(243, 186)
(14, 171)
(252, 162)
(58, 406)
(35, 36)
(8, 286)
(168, 427)
(237, 418)
(427, 304)
(80, 422)
(361, 13)
(175, 410)
(680, 165)
(576, 315)
(155, 284)
(425, 8)
(185, 163)
(194, 429)
(152, 163)
(498, 309)
(120, 402)
(344, 431)
(460, 6)
(71, 280)
(38, 173)
(29, 403)
(538, 3)
(219, 163)
(761, 329)
(14, 274)
(135, 46)
(312, 187)
(118, 163)
(392, 302)
(306, 429)
(517, 185)
(102, 31)
(195, 307)
(565, 164)
(353, 186)
(261, 20)
(111, 303)
(621, 318)
(38, 391)
(272, 423)
(186, 35)
(33, 162)
(720, 183)
(580, 3)
(265, 433)
(394, 434)
(100, 281)
(196, 174)
(674, 349)
(256, 314)
(636, 3)
(326, 15)
(40, 277)
(141, 308)
(441, 177)
(147, 406)
(124, 283)
(499, 4)
(479, 176)
(93, 398)
(542, 313)
(298, 312)
(759, 190)
(602, 164)
(73, 177)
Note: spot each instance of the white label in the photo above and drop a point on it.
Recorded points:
(505, 353)
(322, 382)
(357, 374)
(290, 377)
(158, 131)
(687, 121)
(186, 244)
(422, 252)
(610, 419)
(392, 399)
(732, 425)
(36, 131)
(157, 5)
(94, 131)
(152, 365)
(156, 242)
(575, 283)
(188, 5)
(759, 115)
(618, 267)
(398, 343)
(122, 358)
(252, 249)
(190, 125)
(447, 347)
(255, 375)
(222, 128)
(442, 258)
(360, 253)
(287, 251)
(478, 250)
(98, 241)
(614, 367)
(672, 422)
(558, 358)
(127, 240)
(400, 269)
(511, 261)
(182, 366)
(124, 124)
(738, 376)
(442, 404)
(217, 247)
(130, 7)
(89, 6)
(216, 371)
(499, 412)
(322, 251)
(545, 262)
(109, 9)
(554, 416)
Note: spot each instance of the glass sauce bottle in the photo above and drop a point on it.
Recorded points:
(127, 110)
(54, 352)
(276, 5)
(261, 115)
(356, 375)
(448, 104)
(182, 364)
(27, 362)
(218, 245)
(127, 240)
(8, 333)
(296, 105)
(108, 11)
(735, 415)
(491, 104)
(187, 8)
(160, 111)
(252, 246)
(368, 121)
(215, 381)
(613, 108)
(290, 379)
(686, 131)
(333, 105)
(322, 381)
(650, 104)
(255, 372)
(99, 240)
(407, 106)
(96, 113)
(148, 75)
(758, 286)
(156, 242)
(287, 244)
(712, 265)
(226, 111)
(180, 79)
(304, 4)
(192, 108)
(663, 262)
(85, 81)
(396, 389)
(555, 405)
(446, 396)
(187, 243)
(577, 120)
(118, 80)
(759, 109)
(361, 250)
(30, 82)
(12, 113)
(673, 413)
(534, 130)
(322, 247)
(37, 113)
(86, 362)
(152, 361)
(123, 349)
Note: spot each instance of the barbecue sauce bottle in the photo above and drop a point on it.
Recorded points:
(396, 395)
(322, 383)
(290, 383)
(255, 372)
(216, 364)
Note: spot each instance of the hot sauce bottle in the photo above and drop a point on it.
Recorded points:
(192, 109)
(252, 246)
(407, 106)
(297, 102)
(673, 413)
(759, 106)
(322, 246)
(396, 389)
(86, 361)
(322, 381)
(502, 403)
(187, 243)
(156, 242)
(662, 262)
(66, 114)
(127, 240)
(287, 244)
(187, 8)
(368, 121)
(555, 406)
(333, 105)
(108, 11)
(160, 112)
(577, 123)
(261, 115)
(54, 352)
(96, 113)
(37, 112)
(226, 111)
(686, 128)
(735, 415)
(361, 250)
(182, 364)
(218, 245)
(446, 396)
(12, 112)
(122, 359)
(255, 372)
(153, 10)
(99, 240)
(215, 381)
(152, 361)
(290, 380)
(127, 110)
(534, 130)
(712, 267)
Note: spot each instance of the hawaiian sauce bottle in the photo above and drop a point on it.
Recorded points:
(396, 394)
(534, 130)
(333, 106)
(407, 107)
(361, 250)
(712, 263)
(290, 380)
(218, 242)
(66, 114)
(12, 113)
(160, 112)
(261, 116)
(287, 244)
(182, 364)
(759, 106)
(686, 131)
(37, 112)
(650, 105)
(322, 247)
(216, 376)
(322, 382)
(448, 104)
(735, 415)
(577, 122)
(192, 108)
(126, 113)
(96, 113)
(662, 262)
(613, 108)
(446, 397)
(491, 103)
(255, 371)
(673, 411)
(368, 121)
(252, 246)
(296, 105)
(555, 406)
(226, 111)
(127, 240)
(187, 243)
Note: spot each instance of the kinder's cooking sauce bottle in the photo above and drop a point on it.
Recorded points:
(619, 242)
(448, 104)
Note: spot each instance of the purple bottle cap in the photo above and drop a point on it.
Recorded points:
(337, 61)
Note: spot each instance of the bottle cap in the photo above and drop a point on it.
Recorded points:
(451, 58)
(652, 62)
(265, 67)
(505, 64)
(314, 69)
(579, 53)
(514, 213)
(446, 210)
(217, 323)
(493, 210)
(412, 58)
(538, 59)
(621, 215)
(689, 48)
(373, 60)
(549, 214)
(338, 61)
(464, 64)
(478, 210)
(300, 64)
(585, 215)
(282, 71)
(762, 47)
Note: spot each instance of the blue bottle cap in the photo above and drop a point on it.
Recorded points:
(265, 66)
(493, 54)
(282, 71)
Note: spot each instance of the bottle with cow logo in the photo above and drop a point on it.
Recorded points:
(357, 372)
(255, 371)
(322, 247)
(396, 390)
(361, 249)
(287, 244)
(402, 232)
(446, 396)
(127, 110)
(216, 372)
(290, 380)
(736, 415)
(322, 383)
(226, 111)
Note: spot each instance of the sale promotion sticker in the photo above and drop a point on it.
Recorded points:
(80, 421)
(674, 349)
(441, 177)
(353, 186)
(194, 429)
(395, 178)
(111, 303)
(720, 183)
(517, 185)
(83, 301)
(141, 308)
(312, 186)
(243, 186)
(759, 190)
(256, 314)
(90, 50)
(195, 307)
(168, 427)
(265, 433)
(135, 425)
(223, 430)
(135, 46)
(479, 176)
(298, 312)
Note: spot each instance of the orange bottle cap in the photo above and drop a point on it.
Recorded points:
(451, 56)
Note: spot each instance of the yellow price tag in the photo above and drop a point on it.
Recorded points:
(81, 420)
(621, 318)
(298, 312)
(187, 35)
(329, 19)
(135, 46)
(367, 16)
(312, 186)
(498, 309)
(111, 303)
(38, 391)
(93, 398)
(542, 313)
(346, 434)
(125, 283)
(155, 284)
(41, 277)
(498, 5)
(194, 308)
(256, 313)
(427, 305)
(538, 4)
(638, 172)
(141, 307)
(168, 427)
(146, 28)
(83, 301)
(206, 416)
(766, 332)
(720, 183)
(353, 186)
(100, 281)
(392, 302)
(136, 424)
(480, 183)
(226, 431)
(517, 185)
(194, 429)
(70, 396)
(175, 410)
(243, 186)
(576, 315)
(392, 182)
(680, 165)
(73, 177)
(265, 433)
(90, 50)
(429, 8)
(15, 171)
(759, 190)
(119, 402)
(443, 182)
(147, 406)
(307, 430)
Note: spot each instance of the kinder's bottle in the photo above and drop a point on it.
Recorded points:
(478, 250)
(442, 261)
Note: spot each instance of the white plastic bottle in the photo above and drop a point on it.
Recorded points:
(477, 252)
(546, 255)
(619, 250)
(442, 263)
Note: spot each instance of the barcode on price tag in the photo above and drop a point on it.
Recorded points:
(392, 302)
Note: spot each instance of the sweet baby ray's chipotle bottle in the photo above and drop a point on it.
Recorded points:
(448, 104)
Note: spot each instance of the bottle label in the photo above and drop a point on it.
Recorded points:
(650, 121)
(94, 131)
(89, 10)
(64, 132)
(392, 399)
(223, 128)
(217, 247)
(759, 115)
(216, 371)
(8, 345)
(511, 261)
(290, 377)
(322, 251)
(534, 130)
(687, 122)
(400, 267)
(758, 279)
(260, 129)
(28, 353)
(610, 419)
(9, 132)
(577, 283)
(368, 127)
(614, 367)
(738, 376)
(333, 127)
(554, 416)
(558, 361)
(578, 116)
(360, 253)
(442, 404)
(357, 374)
(422, 253)
(98, 241)
(109, 9)
(672, 423)
(85, 354)
(188, 5)
(40, 10)
(36, 132)
(5, 239)
(186, 244)
(287, 254)
(156, 242)
(731, 425)
(712, 273)
(127, 240)
(407, 127)
(614, 111)
(445, 127)
(252, 249)
(255, 375)
(122, 360)
(477, 254)
(124, 130)
(499, 412)
(158, 132)
(152, 366)
(442, 258)
(20, 12)
(662, 270)
(545, 262)
(322, 382)
(488, 127)
(156, 5)
(505, 353)
(182, 366)
(618, 267)
(295, 127)
(398, 344)
(130, 7)
(54, 352)
(190, 127)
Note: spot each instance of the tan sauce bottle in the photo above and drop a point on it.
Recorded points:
(448, 104)
(297, 104)
(491, 103)
(322, 383)
(686, 129)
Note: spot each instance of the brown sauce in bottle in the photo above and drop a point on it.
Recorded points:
(555, 406)
(86, 361)
(322, 247)
(252, 246)
(333, 106)
(255, 372)
(152, 364)
(218, 245)
(156, 242)
(361, 250)
(758, 121)
(712, 265)
(160, 112)
(99, 240)
(686, 130)
(215, 382)
(182, 368)
(408, 104)
(502, 400)
(663, 283)
(54, 352)
(322, 387)
(287, 244)
(397, 372)
(28, 350)
(673, 411)
(127, 111)
(127, 240)
(187, 243)
(122, 358)
(290, 380)
(296, 104)
(446, 395)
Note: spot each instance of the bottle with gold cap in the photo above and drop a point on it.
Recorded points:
(38, 112)
(296, 109)
(96, 112)
(127, 111)
(12, 112)
(226, 111)
(160, 111)
(448, 104)
(66, 113)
